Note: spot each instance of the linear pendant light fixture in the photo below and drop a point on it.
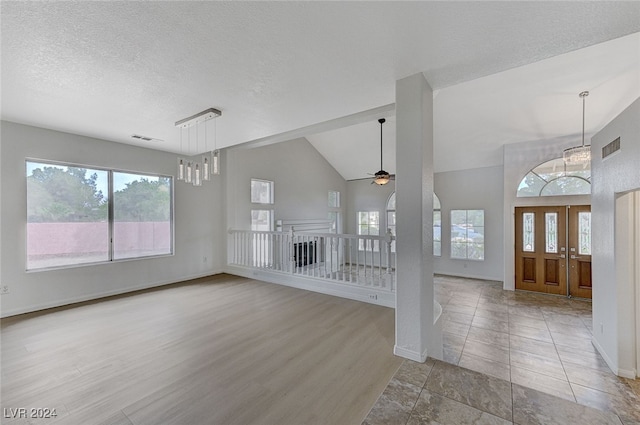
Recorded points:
(579, 155)
(191, 171)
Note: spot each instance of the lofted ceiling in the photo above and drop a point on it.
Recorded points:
(503, 72)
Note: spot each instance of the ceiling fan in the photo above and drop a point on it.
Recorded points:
(382, 177)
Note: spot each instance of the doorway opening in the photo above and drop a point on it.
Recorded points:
(553, 250)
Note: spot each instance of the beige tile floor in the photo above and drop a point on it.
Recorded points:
(538, 345)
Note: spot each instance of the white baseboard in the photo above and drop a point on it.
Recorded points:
(98, 295)
(627, 373)
(365, 294)
(470, 276)
(410, 354)
(613, 366)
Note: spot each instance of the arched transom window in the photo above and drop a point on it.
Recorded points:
(555, 178)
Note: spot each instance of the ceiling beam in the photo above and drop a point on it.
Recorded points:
(335, 124)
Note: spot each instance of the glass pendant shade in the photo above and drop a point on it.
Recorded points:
(577, 155)
(189, 169)
(180, 169)
(197, 174)
(188, 174)
(206, 167)
(381, 180)
(215, 159)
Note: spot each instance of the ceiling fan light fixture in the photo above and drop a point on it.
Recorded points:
(381, 178)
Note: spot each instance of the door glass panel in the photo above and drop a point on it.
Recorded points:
(551, 232)
(584, 230)
(528, 232)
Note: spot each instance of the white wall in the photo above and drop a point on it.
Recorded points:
(476, 189)
(198, 219)
(301, 175)
(619, 173)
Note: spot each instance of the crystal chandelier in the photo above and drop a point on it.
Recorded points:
(579, 155)
(190, 170)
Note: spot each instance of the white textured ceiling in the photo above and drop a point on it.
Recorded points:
(113, 69)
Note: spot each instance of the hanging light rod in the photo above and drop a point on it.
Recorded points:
(196, 119)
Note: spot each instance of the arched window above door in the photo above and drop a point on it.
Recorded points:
(555, 178)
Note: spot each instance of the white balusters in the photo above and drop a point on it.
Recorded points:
(327, 256)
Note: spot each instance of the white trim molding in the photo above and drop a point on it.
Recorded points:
(410, 354)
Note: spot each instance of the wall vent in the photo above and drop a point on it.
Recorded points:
(145, 138)
(611, 148)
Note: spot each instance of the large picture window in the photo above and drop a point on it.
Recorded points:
(69, 221)
(467, 234)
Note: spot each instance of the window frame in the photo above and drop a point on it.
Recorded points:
(334, 212)
(467, 243)
(361, 243)
(110, 213)
(271, 219)
(272, 185)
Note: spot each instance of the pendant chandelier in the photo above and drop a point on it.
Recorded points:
(191, 170)
(579, 155)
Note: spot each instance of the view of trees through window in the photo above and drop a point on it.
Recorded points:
(467, 234)
(68, 220)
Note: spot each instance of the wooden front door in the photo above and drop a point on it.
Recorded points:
(541, 249)
(580, 251)
(553, 248)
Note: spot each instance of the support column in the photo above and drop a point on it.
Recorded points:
(416, 335)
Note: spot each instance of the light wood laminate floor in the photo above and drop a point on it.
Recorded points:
(220, 350)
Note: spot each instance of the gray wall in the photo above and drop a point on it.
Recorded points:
(302, 180)
(479, 188)
(198, 216)
(613, 308)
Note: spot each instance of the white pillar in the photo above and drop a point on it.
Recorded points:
(416, 335)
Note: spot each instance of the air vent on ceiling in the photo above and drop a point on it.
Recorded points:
(145, 138)
(611, 148)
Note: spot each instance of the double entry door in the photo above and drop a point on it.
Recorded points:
(553, 250)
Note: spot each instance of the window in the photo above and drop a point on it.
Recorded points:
(334, 210)
(437, 223)
(467, 234)
(261, 191)
(555, 178)
(262, 220)
(68, 218)
(141, 215)
(334, 199)
(437, 226)
(391, 218)
(334, 216)
(368, 224)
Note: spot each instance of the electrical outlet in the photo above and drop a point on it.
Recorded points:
(373, 296)
(4, 289)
